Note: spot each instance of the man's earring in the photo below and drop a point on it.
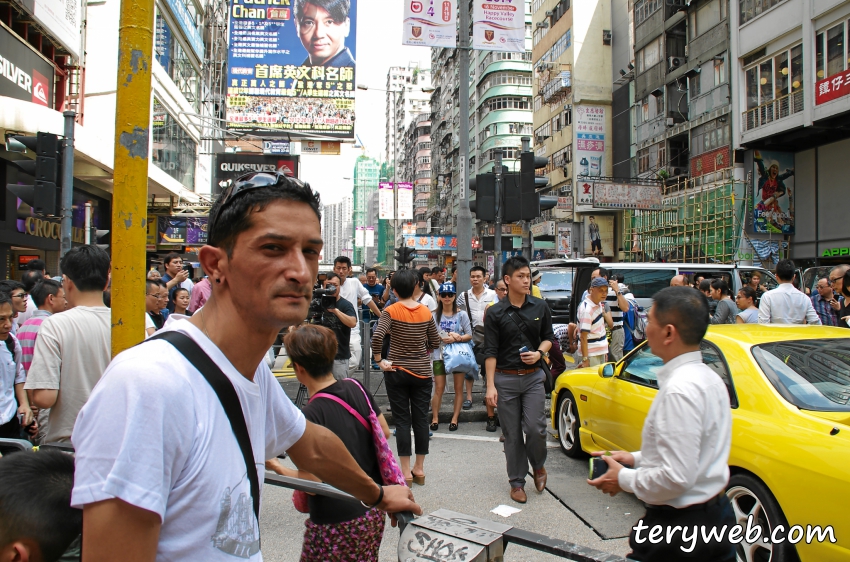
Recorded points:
(218, 280)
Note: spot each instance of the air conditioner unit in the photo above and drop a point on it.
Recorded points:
(676, 62)
(670, 122)
(677, 172)
(538, 139)
(540, 24)
(549, 13)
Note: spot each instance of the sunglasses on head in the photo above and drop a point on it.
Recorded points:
(250, 182)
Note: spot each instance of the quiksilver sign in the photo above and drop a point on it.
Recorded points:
(231, 165)
(24, 75)
(238, 167)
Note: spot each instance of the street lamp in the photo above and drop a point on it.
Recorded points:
(424, 89)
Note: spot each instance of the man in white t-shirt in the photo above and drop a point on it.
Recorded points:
(159, 473)
(352, 290)
(73, 348)
(475, 302)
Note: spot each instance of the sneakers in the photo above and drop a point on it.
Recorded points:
(518, 495)
(491, 424)
(467, 404)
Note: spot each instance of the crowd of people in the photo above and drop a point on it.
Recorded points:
(143, 479)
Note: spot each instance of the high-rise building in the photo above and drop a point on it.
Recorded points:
(337, 232)
(405, 98)
(366, 174)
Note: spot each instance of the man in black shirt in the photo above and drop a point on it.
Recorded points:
(514, 378)
(340, 319)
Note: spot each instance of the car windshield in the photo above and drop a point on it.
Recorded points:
(556, 281)
(810, 374)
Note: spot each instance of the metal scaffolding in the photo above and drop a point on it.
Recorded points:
(699, 224)
(214, 77)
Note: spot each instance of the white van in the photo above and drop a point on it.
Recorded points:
(643, 279)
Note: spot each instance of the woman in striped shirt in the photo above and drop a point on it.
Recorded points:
(407, 369)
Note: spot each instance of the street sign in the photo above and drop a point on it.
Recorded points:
(276, 147)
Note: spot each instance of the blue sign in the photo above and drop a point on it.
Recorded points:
(276, 147)
(162, 43)
(509, 254)
(187, 24)
(291, 67)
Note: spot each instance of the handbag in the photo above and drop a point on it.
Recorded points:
(228, 398)
(477, 331)
(548, 379)
(459, 357)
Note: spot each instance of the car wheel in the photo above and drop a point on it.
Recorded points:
(568, 425)
(749, 497)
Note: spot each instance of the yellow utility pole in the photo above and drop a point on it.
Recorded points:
(129, 198)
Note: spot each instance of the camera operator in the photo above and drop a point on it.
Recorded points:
(340, 317)
(682, 469)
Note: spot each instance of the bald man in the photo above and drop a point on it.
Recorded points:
(678, 281)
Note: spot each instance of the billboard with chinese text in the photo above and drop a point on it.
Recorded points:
(428, 242)
(291, 67)
(590, 125)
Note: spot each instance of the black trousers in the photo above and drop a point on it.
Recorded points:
(10, 430)
(714, 513)
(409, 398)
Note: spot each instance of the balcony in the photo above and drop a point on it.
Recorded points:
(773, 110)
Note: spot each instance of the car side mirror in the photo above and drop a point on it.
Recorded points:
(606, 371)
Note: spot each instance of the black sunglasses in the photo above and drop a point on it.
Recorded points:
(250, 182)
(442, 295)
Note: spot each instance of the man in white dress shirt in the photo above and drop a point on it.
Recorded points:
(785, 304)
(681, 471)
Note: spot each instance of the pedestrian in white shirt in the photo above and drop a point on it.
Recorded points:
(352, 290)
(785, 304)
(159, 472)
(681, 471)
(475, 303)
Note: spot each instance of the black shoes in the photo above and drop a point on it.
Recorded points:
(491, 424)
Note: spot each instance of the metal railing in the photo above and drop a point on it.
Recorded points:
(773, 110)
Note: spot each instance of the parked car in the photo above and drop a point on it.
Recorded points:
(789, 388)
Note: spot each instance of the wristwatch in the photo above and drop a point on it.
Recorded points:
(543, 353)
(583, 359)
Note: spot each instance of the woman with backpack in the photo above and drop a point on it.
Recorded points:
(337, 529)
(454, 326)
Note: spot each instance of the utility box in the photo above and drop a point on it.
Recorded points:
(451, 536)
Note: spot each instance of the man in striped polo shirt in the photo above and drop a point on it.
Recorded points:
(591, 319)
(618, 304)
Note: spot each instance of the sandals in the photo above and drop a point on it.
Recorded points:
(434, 426)
(452, 427)
(418, 479)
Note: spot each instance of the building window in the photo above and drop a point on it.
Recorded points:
(562, 157)
(710, 136)
(643, 160)
(695, 87)
(659, 105)
(542, 133)
(830, 51)
(706, 17)
(650, 55)
(719, 71)
(644, 110)
(753, 8)
(644, 9)
(174, 150)
(561, 45)
(778, 76)
(173, 58)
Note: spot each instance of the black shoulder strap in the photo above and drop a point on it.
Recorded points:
(229, 401)
(468, 313)
(524, 330)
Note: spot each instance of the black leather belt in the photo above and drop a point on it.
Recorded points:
(710, 503)
(615, 328)
(516, 371)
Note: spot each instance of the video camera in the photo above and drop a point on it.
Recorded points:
(323, 299)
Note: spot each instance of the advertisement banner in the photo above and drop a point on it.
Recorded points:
(61, 18)
(599, 235)
(277, 147)
(590, 139)
(584, 194)
(385, 200)
(291, 69)
(430, 242)
(565, 204)
(23, 74)
(626, 196)
(196, 230)
(171, 231)
(359, 232)
(320, 147)
(498, 25)
(773, 200)
(231, 165)
(564, 241)
(431, 26)
(405, 200)
(832, 88)
(187, 24)
(370, 236)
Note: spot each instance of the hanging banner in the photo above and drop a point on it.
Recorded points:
(430, 23)
(290, 69)
(499, 25)
(358, 236)
(429, 242)
(590, 140)
(405, 200)
(626, 196)
(564, 242)
(773, 200)
(370, 237)
(385, 200)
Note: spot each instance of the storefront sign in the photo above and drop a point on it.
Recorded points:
(431, 242)
(285, 78)
(430, 23)
(710, 161)
(181, 230)
(320, 147)
(545, 228)
(231, 165)
(23, 74)
(835, 252)
(832, 88)
(49, 229)
(590, 125)
(626, 196)
(276, 147)
(565, 203)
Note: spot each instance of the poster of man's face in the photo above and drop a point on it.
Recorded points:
(599, 235)
(322, 27)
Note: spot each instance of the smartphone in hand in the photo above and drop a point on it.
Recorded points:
(523, 349)
(598, 467)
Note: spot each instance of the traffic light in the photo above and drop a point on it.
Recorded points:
(513, 197)
(531, 203)
(404, 255)
(97, 234)
(44, 196)
(484, 206)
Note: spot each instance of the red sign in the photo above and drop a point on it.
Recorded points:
(712, 161)
(40, 89)
(832, 88)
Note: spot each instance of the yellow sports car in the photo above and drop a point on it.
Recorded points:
(790, 459)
